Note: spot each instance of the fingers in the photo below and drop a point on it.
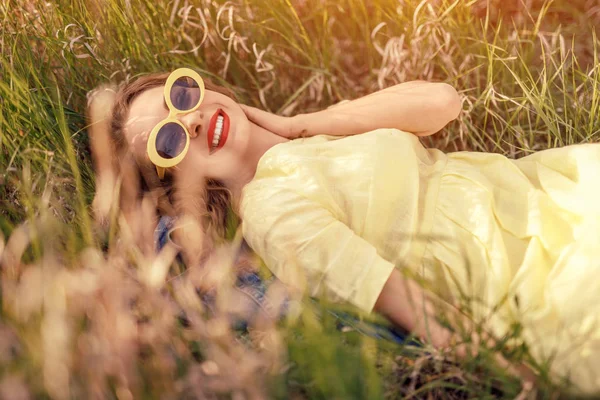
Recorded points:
(260, 117)
(254, 114)
(245, 109)
(248, 110)
(277, 124)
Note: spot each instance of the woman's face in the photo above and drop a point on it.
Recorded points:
(224, 163)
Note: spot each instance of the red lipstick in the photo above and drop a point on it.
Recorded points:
(211, 130)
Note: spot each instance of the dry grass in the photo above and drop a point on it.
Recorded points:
(89, 311)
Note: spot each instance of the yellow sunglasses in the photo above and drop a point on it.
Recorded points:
(169, 140)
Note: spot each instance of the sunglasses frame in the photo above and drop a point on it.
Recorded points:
(162, 163)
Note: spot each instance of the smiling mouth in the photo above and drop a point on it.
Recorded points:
(218, 131)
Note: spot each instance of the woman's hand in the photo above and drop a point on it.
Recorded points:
(519, 370)
(408, 305)
(279, 125)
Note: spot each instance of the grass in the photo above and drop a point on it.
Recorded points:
(84, 310)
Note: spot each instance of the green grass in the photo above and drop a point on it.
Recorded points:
(78, 323)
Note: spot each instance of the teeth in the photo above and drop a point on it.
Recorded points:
(216, 138)
(218, 131)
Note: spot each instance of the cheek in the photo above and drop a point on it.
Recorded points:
(198, 148)
(242, 130)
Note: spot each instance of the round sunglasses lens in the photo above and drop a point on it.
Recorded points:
(170, 140)
(185, 93)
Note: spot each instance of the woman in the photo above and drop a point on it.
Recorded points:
(342, 200)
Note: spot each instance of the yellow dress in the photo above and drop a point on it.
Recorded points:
(515, 240)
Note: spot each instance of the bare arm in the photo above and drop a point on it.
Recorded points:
(406, 304)
(419, 107)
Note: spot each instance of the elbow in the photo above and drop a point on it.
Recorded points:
(446, 107)
(450, 101)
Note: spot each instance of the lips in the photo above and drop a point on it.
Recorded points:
(211, 130)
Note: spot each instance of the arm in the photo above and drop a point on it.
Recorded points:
(308, 248)
(406, 304)
(420, 107)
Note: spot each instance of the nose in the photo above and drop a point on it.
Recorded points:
(194, 122)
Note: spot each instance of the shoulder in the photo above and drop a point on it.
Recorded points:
(361, 137)
(331, 147)
(266, 196)
(302, 166)
(301, 162)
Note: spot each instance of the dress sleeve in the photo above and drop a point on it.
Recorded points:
(306, 246)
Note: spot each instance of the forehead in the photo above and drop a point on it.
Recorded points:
(145, 111)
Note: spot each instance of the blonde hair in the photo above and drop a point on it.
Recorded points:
(217, 198)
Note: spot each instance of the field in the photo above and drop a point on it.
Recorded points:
(86, 308)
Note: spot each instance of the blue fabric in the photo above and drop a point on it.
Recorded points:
(161, 232)
(255, 287)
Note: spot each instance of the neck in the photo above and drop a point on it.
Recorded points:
(262, 140)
